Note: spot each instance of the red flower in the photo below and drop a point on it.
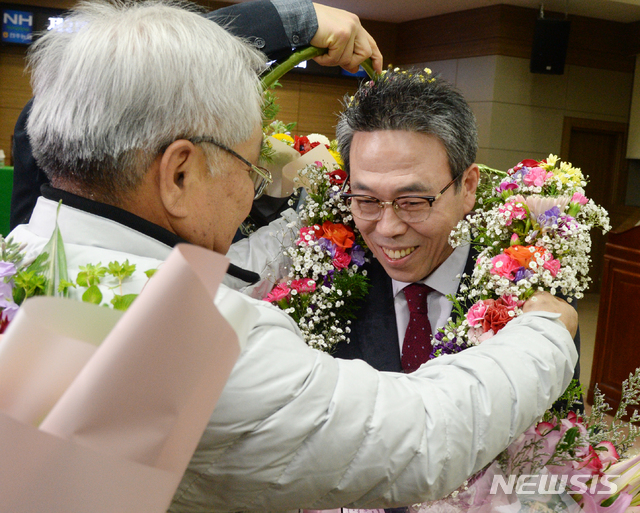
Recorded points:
(337, 177)
(339, 234)
(496, 317)
(302, 144)
(313, 232)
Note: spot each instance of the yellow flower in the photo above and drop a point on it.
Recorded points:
(338, 158)
(285, 138)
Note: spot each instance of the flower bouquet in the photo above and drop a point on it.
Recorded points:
(531, 232)
(325, 278)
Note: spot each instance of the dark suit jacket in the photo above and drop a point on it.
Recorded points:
(374, 333)
(259, 22)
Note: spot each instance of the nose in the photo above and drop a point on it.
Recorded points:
(390, 225)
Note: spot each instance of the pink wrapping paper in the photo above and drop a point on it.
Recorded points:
(120, 435)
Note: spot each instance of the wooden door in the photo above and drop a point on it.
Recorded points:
(598, 148)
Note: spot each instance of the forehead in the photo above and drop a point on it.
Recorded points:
(392, 161)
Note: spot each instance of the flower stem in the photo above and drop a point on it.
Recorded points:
(296, 58)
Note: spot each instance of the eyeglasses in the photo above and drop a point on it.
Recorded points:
(410, 209)
(260, 176)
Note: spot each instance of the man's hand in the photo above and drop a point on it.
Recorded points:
(549, 303)
(348, 42)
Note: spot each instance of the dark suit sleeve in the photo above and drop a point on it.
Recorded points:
(27, 176)
(258, 23)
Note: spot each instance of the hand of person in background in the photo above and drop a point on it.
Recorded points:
(348, 42)
(547, 302)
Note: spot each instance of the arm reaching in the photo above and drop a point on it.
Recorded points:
(348, 42)
(543, 301)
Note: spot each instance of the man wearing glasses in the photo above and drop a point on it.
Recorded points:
(409, 142)
(141, 165)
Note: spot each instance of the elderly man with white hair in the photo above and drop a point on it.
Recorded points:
(147, 120)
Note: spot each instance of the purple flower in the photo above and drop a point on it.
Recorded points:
(8, 309)
(549, 218)
(507, 186)
(327, 246)
(7, 269)
(6, 290)
(327, 279)
(522, 274)
(357, 255)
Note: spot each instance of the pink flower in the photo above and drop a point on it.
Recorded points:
(590, 462)
(303, 285)
(544, 428)
(579, 198)
(607, 452)
(505, 266)
(477, 335)
(308, 233)
(341, 260)
(553, 266)
(279, 292)
(476, 313)
(511, 302)
(514, 210)
(536, 177)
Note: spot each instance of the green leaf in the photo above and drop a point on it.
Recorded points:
(121, 271)
(150, 272)
(123, 302)
(92, 295)
(52, 262)
(64, 285)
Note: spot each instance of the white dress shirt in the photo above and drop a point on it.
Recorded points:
(444, 280)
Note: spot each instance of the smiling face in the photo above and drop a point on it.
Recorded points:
(387, 164)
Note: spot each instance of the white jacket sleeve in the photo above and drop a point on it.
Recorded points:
(262, 253)
(296, 428)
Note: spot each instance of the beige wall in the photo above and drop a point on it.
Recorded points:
(521, 114)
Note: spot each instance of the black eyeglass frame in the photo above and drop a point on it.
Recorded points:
(393, 203)
(262, 172)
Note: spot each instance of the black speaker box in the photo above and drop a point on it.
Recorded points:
(549, 49)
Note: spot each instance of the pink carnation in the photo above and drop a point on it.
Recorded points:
(303, 285)
(279, 292)
(515, 210)
(505, 266)
(476, 313)
(341, 260)
(579, 198)
(553, 266)
(536, 177)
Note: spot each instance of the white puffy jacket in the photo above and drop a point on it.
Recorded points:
(296, 428)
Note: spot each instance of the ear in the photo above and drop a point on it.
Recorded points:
(177, 173)
(470, 179)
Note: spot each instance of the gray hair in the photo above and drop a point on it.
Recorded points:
(120, 81)
(414, 101)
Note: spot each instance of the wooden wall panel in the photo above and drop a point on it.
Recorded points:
(313, 102)
(15, 91)
(508, 30)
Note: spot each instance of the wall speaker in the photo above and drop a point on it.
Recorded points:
(549, 49)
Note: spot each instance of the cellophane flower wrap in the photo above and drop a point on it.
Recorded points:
(325, 279)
